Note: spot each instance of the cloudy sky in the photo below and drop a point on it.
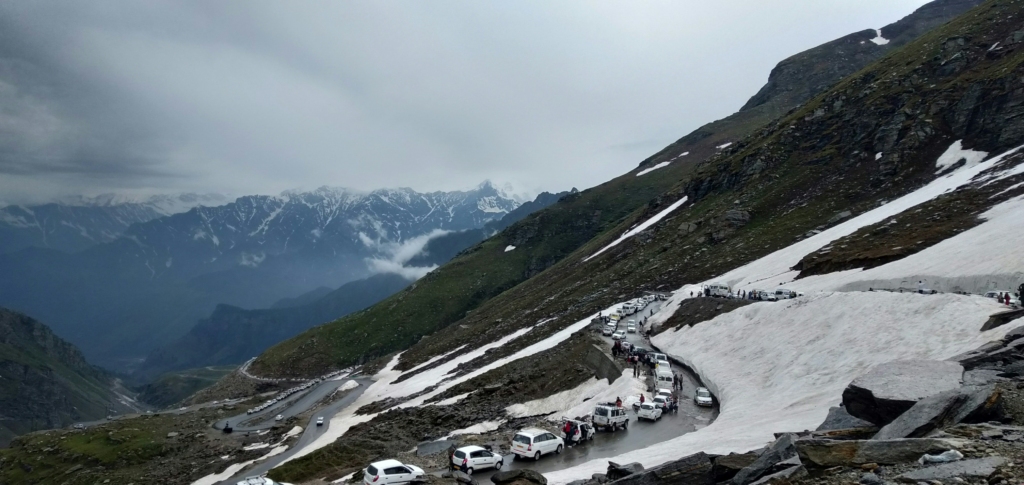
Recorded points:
(250, 96)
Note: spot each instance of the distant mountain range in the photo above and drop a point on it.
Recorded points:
(135, 288)
(77, 223)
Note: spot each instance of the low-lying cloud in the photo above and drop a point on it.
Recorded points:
(397, 255)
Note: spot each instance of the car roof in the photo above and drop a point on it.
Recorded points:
(664, 390)
(386, 464)
(702, 389)
(532, 431)
(470, 448)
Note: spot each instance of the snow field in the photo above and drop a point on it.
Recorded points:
(780, 366)
(640, 227)
(237, 467)
(478, 428)
(580, 400)
(348, 386)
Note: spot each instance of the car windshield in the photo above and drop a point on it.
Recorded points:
(521, 439)
(371, 470)
(659, 399)
(647, 406)
(703, 393)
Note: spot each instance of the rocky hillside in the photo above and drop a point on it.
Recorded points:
(592, 217)
(46, 381)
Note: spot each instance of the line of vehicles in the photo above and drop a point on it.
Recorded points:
(534, 443)
(722, 290)
(631, 307)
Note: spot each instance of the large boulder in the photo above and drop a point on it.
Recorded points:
(617, 471)
(519, 477)
(694, 469)
(726, 467)
(838, 418)
(463, 478)
(781, 454)
(888, 390)
(971, 404)
(829, 453)
(783, 476)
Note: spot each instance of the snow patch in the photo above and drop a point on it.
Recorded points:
(509, 248)
(957, 152)
(878, 156)
(651, 169)
(879, 40)
(580, 400)
(643, 226)
(452, 400)
(724, 145)
(348, 386)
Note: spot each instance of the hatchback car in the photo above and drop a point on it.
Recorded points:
(661, 402)
(392, 472)
(320, 421)
(703, 397)
(470, 458)
(619, 335)
(535, 442)
(649, 412)
(631, 327)
(608, 330)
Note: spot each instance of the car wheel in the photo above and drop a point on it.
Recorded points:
(558, 450)
(498, 465)
(536, 457)
(625, 424)
(469, 471)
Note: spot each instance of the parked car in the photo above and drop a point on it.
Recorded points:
(667, 393)
(392, 472)
(661, 402)
(535, 442)
(631, 327)
(661, 360)
(703, 397)
(584, 431)
(320, 421)
(663, 377)
(766, 296)
(626, 346)
(649, 412)
(619, 335)
(279, 417)
(470, 458)
(79, 426)
(610, 417)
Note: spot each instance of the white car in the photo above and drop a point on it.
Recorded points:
(660, 402)
(649, 412)
(765, 296)
(608, 330)
(470, 458)
(619, 335)
(320, 421)
(703, 397)
(662, 392)
(279, 417)
(392, 471)
(535, 442)
(631, 327)
(661, 359)
(626, 346)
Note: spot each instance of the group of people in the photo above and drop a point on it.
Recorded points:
(574, 433)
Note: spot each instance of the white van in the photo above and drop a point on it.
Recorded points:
(535, 442)
(663, 378)
(721, 290)
(783, 294)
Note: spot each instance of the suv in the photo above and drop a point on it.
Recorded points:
(392, 471)
(609, 416)
(535, 442)
(765, 296)
(469, 458)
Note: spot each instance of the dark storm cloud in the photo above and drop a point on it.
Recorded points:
(243, 96)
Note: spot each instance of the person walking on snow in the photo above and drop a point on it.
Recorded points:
(1007, 298)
